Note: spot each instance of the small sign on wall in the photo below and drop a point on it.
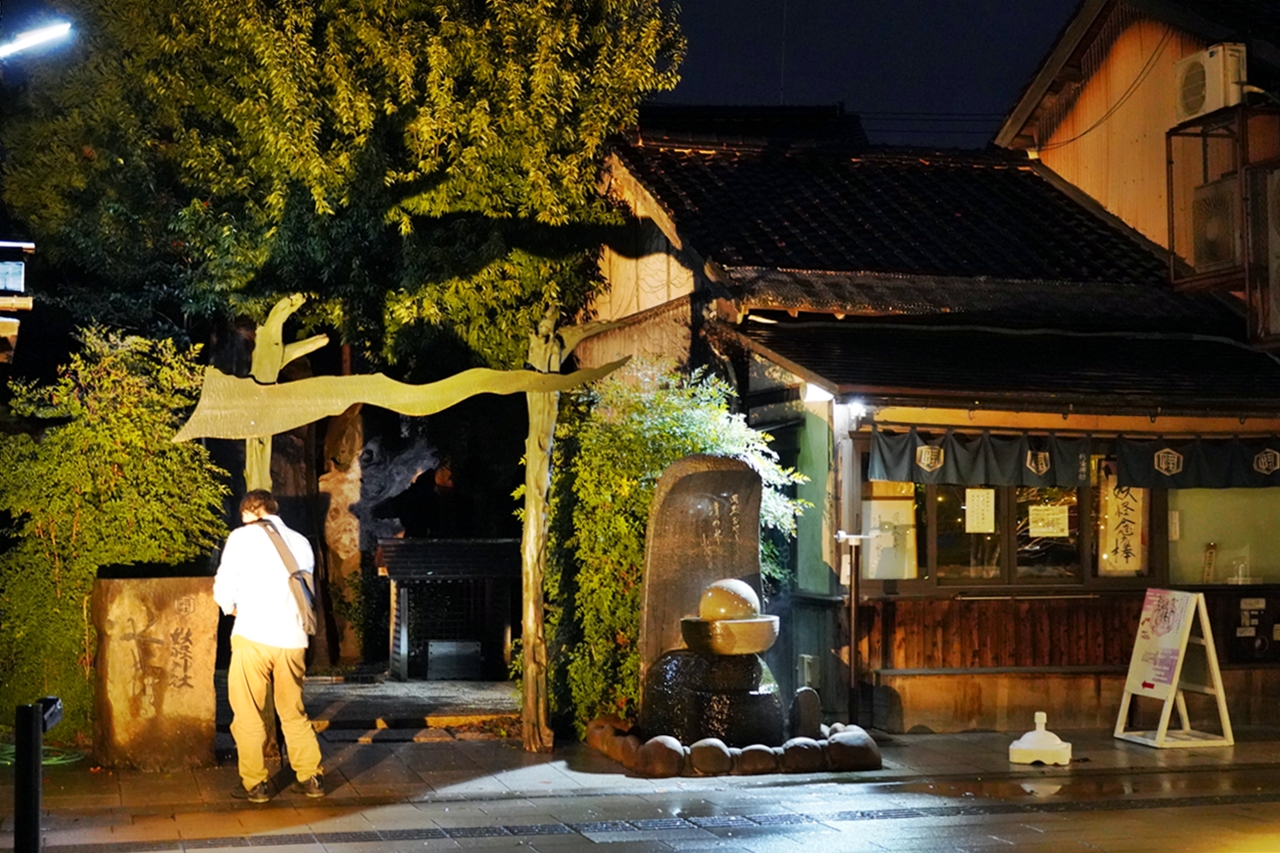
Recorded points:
(980, 511)
(13, 276)
(1049, 520)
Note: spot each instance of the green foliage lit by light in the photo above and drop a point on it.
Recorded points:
(614, 444)
(102, 484)
(406, 162)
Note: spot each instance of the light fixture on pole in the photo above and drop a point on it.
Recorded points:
(32, 38)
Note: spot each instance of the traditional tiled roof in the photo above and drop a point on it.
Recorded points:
(910, 213)
(952, 301)
(1176, 373)
(979, 234)
(806, 127)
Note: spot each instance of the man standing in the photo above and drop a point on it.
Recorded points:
(268, 644)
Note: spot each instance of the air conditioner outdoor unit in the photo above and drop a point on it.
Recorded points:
(1209, 80)
(1215, 225)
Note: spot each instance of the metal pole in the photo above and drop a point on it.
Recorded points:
(27, 781)
(854, 569)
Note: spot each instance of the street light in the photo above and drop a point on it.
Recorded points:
(31, 38)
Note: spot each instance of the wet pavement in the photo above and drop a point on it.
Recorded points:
(437, 788)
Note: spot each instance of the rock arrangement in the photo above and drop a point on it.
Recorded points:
(843, 748)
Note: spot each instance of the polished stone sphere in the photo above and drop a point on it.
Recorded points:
(729, 599)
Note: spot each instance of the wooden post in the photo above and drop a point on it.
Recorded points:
(270, 355)
(543, 409)
(547, 351)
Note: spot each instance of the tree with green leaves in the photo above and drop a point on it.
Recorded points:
(411, 164)
(101, 483)
(623, 433)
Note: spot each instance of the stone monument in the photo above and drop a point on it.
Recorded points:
(701, 676)
(153, 699)
(708, 703)
(704, 525)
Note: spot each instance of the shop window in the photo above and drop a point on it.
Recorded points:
(967, 534)
(893, 552)
(1099, 534)
(1002, 535)
(1224, 536)
(1048, 533)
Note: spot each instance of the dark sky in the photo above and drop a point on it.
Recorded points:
(959, 57)
(964, 59)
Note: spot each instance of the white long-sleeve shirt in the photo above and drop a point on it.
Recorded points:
(253, 582)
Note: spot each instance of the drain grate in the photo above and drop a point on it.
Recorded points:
(710, 822)
(720, 821)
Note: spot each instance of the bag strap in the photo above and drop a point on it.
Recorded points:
(290, 562)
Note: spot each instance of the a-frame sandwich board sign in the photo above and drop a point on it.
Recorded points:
(1174, 654)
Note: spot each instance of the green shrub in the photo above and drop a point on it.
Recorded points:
(101, 484)
(615, 440)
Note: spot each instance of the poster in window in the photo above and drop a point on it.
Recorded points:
(980, 511)
(1049, 520)
(1122, 537)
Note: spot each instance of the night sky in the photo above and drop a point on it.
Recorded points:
(968, 59)
(962, 61)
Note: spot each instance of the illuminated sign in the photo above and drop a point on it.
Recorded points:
(12, 276)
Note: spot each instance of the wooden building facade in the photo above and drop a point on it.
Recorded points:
(1012, 423)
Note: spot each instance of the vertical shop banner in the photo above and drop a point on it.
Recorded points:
(1122, 534)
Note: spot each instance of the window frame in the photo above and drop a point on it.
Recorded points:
(1088, 580)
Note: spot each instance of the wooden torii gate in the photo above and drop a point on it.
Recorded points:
(257, 407)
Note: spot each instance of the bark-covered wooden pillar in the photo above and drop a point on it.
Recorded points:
(547, 351)
(270, 354)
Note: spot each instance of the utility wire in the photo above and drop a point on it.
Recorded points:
(1128, 93)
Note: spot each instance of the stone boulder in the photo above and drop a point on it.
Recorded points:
(803, 755)
(852, 748)
(660, 757)
(756, 759)
(806, 714)
(711, 757)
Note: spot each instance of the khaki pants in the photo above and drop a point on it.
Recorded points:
(254, 667)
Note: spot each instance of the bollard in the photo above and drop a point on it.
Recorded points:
(30, 723)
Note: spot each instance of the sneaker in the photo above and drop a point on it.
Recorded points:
(313, 787)
(256, 794)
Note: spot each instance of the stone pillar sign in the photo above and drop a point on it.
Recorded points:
(153, 697)
(704, 525)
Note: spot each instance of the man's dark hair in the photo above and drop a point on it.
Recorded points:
(259, 501)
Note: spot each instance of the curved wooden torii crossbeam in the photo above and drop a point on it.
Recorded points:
(255, 408)
(242, 407)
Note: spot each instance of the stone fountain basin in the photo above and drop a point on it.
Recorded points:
(729, 636)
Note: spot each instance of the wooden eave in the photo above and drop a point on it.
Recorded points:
(961, 408)
(1052, 74)
(619, 184)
